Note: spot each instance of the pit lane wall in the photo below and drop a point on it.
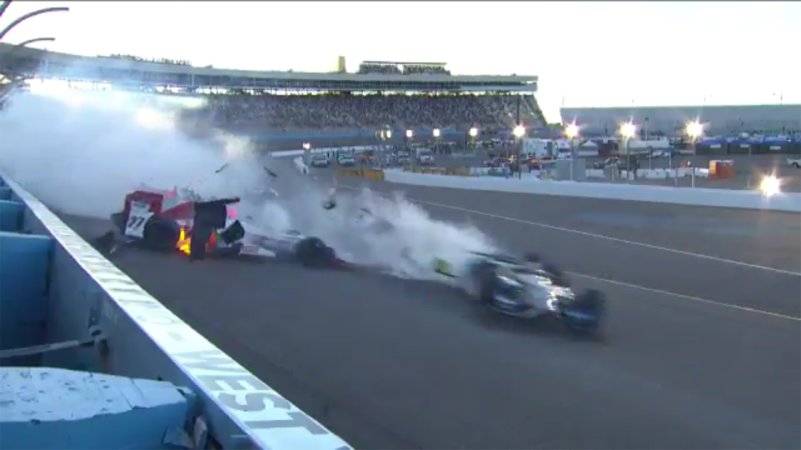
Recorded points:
(790, 202)
(142, 338)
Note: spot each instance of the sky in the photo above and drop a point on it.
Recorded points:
(585, 53)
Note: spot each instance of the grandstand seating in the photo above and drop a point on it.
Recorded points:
(343, 111)
(398, 95)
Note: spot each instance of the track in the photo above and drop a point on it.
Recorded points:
(702, 347)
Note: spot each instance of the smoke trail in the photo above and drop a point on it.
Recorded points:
(369, 228)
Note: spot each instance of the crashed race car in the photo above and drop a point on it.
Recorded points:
(526, 288)
(182, 222)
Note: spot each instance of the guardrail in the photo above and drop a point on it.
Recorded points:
(146, 340)
(686, 196)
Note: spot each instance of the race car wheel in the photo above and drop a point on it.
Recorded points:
(487, 280)
(312, 252)
(584, 314)
(558, 277)
(161, 234)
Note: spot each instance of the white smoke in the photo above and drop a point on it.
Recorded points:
(369, 228)
(81, 152)
(407, 239)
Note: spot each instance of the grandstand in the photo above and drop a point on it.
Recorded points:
(275, 106)
(405, 68)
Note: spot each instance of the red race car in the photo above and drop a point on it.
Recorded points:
(171, 221)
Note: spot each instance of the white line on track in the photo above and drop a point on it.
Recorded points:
(688, 297)
(603, 236)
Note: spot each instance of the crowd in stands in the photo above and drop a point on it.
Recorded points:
(425, 69)
(176, 62)
(341, 111)
(380, 68)
(402, 69)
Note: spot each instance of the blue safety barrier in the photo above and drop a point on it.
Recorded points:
(10, 215)
(43, 408)
(23, 283)
(93, 317)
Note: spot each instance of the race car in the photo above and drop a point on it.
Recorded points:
(526, 288)
(167, 221)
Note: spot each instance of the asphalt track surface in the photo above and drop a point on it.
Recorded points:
(702, 348)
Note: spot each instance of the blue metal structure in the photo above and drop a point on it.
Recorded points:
(64, 306)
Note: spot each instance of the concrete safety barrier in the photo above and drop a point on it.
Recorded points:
(288, 153)
(655, 174)
(662, 194)
(143, 338)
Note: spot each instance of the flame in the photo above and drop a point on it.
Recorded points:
(184, 244)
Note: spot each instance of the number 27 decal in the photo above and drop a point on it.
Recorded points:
(135, 222)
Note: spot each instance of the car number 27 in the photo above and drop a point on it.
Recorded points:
(137, 218)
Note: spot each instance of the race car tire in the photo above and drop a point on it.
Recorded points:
(161, 234)
(487, 277)
(585, 314)
(558, 278)
(312, 252)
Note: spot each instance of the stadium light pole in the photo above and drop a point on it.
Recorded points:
(409, 136)
(694, 130)
(306, 150)
(518, 132)
(628, 130)
(571, 132)
(384, 135)
(388, 136)
(473, 133)
(31, 14)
